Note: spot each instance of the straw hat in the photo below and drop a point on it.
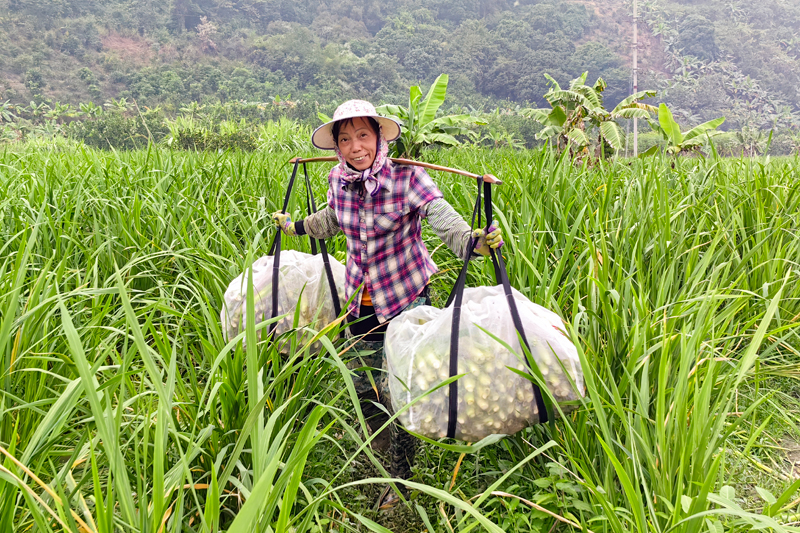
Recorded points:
(322, 137)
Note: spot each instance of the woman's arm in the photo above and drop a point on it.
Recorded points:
(320, 225)
(448, 225)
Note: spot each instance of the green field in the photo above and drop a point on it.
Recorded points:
(123, 409)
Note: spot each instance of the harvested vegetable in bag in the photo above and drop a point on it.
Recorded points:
(278, 285)
(302, 281)
(492, 399)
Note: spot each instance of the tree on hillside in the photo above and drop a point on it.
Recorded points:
(205, 31)
(180, 9)
(696, 37)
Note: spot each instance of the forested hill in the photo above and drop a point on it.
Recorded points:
(708, 58)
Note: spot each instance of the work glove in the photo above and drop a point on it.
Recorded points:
(494, 239)
(284, 222)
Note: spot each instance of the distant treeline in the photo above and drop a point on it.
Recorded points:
(280, 126)
(707, 58)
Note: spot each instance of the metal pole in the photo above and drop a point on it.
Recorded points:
(635, 74)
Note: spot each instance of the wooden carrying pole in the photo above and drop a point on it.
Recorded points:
(487, 178)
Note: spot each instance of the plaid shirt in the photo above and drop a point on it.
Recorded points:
(385, 251)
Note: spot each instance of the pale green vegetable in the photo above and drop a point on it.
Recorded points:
(302, 282)
(492, 398)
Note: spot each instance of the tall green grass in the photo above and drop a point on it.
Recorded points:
(678, 279)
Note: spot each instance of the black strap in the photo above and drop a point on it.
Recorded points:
(275, 250)
(276, 264)
(501, 275)
(462, 276)
(456, 297)
(276, 242)
(312, 208)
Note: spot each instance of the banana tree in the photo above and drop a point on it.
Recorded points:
(37, 111)
(577, 112)
(60, 111)
(121, 105)
(90, 109)
(678, 142)
(420, 125)
(6, 112)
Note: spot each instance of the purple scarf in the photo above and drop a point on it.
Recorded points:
(371, 183)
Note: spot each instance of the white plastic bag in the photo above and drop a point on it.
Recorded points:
(491, 398)
(300, 273)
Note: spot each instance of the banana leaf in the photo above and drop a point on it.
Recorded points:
(703, 128)
(669, 126)
(613, 135)
(578, 137)
(433, 100)
(633, 99)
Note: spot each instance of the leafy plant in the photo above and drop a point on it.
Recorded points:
(499, 138)
(115, 130)
(119, 106)
(60, 111)
(283, 135)
(577, 114)
(9, 133)
(193, 109)
(7, 112)
(90, 109)
(752, 140)
(420, 125)
(678, 142)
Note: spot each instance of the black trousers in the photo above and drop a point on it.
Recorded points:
(402, 445)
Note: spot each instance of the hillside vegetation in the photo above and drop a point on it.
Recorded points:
(706, 58)
(734, 58)
(175, 52)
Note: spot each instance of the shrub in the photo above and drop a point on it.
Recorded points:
(115, 130)
(33, 80)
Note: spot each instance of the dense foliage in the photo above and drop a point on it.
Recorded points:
(707, 59)
(677, 279)
(174, 52)
(736, 59)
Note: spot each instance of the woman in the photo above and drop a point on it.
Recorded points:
(379, 206)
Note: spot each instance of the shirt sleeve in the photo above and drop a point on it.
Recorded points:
(448, 225)
(320, 225)
(422, 190)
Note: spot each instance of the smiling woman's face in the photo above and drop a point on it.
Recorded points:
(358, 142)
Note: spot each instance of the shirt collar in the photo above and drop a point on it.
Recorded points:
(384, 177)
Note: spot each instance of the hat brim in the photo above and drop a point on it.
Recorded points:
(322, 137)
